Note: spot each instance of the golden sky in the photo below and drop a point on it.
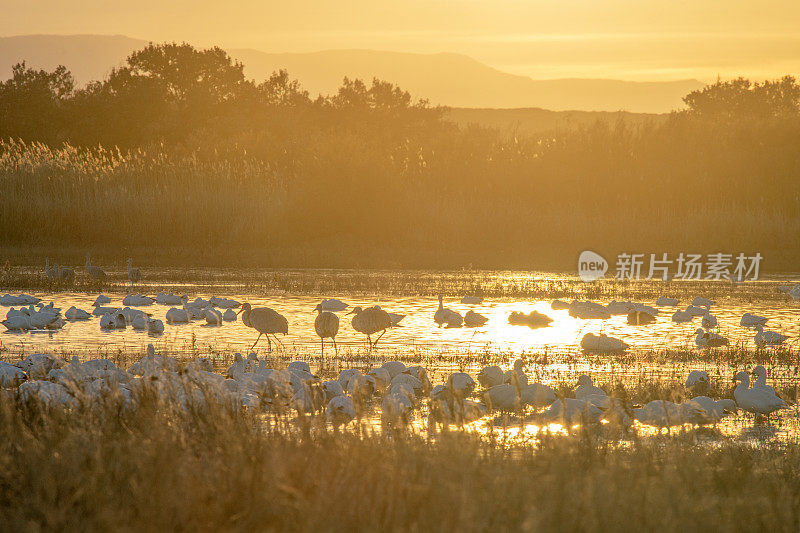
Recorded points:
(624, 39)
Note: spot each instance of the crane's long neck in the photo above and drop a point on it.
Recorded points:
(441, 307)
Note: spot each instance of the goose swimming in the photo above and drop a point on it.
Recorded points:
(768, 338)
(750, 320)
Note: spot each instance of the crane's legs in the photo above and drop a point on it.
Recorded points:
(379, 338)
(254, 344)
(335, 349)
(369, 342)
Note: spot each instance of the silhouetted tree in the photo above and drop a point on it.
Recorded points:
(742, 99)
(280, 90)
(32, 103)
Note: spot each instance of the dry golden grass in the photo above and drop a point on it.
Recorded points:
(160, 468)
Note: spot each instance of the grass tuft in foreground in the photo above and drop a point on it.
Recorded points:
(157, 467)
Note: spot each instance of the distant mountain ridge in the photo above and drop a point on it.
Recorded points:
(444, 78)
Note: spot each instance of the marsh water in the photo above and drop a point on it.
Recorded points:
(496, 342)
(417, 330)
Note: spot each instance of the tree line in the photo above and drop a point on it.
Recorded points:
(174, 92)
(371, 164)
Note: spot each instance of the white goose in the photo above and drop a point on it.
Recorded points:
(213, 317)
(602, 343)
(700, 301)
(708, 321)
(756, 400)
(761, 379)
(73, 313)
(682, 316)
(177, 315)
(474, 320)
(490, 376)
(155, 326)
(666, 301)
(708, 339)
(715, 410)
(696, 310)
(503, 397)
(697, 381)
(518, 371)
(750, 321)
(447, 317)
(570, 412)
(587, 392)
(664, 414)
(332, 304)
(340, 410)
(139, 322)
(768, 338)
(17, 323)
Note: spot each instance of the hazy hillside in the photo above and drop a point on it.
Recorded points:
(460, 81)
(448, 79)
(89, 57)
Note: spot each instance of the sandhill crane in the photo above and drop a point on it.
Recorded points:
(264, 320)
(50, 271)
(327, 326)
(95, 272)
(66, 273)
(370, 321)
(134, 274)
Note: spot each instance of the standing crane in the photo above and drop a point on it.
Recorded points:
(95, 272)
(134, 274)
(370, 321)
(327, 326)
(264, 320)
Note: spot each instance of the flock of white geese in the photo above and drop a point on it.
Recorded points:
(393, 389)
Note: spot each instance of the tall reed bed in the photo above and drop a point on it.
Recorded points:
(341, 199)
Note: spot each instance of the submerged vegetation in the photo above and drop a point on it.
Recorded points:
(176, 155)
